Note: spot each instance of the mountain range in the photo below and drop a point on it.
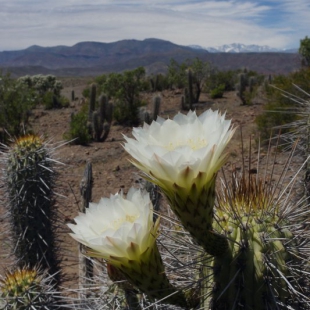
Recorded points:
(94, 58)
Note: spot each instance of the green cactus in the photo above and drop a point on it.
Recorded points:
(29, 176)
(265, 265)
(148, 116)
(156, 106)
(241, 87)
(102, 119)
(92, 101)
(190, 89)
(28, 289)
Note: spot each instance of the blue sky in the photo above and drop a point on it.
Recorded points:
(278, 23)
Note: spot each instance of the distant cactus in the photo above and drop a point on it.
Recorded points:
(28, 289)
(156, 106)
(147, 116)
(190, 89)
(92, 101)
(72, 95)
(241, 87)
(102, 119)
(29, 179)
(252, 83)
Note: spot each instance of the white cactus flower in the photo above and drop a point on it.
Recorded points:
(181, 151)
(117, 229)
(121, 230)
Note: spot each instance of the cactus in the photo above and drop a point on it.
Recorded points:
(156, 106)
(146, 116)
(92, 101)
(29, 177)
(102, 120)
(265, 265)
(190, 89)
(72, 95)
(252, 83)
(254, 236)
(242, 87)
(183, 103)
(28, 289)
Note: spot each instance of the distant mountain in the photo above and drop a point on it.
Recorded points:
(242, 48)
(94, 58)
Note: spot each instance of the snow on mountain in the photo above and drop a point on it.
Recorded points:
(242, 48)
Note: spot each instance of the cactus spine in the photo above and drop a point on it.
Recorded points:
(29, 180)
(27, 289)
(263, 266)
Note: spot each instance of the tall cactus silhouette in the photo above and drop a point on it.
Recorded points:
(29, 179)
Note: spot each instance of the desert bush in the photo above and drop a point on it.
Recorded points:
(192, 74)
(176, 75)
(248, 85)
(159, 82)
(16, 102)
(304, 51)
(217, 92)
(79, 129)
(47, 89)
(51, 101)
(227, 78)
(124, 89)
(280, 109)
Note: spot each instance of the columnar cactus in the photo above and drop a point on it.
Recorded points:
(241, 87)
(28, 289)
(29, 180)
(101, 119)
(92, 101)
(156, 106)
(190, 89)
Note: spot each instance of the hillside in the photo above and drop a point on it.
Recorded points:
(94, 58)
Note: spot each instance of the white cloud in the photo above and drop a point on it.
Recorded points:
(207, 23)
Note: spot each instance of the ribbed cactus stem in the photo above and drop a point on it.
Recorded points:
(260, 267)
(101, 120)
(30, 180)
(156, 284)
(195, 212)
(156, 106)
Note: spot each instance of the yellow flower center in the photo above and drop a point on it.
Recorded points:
(116, 224)
(194, 144)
